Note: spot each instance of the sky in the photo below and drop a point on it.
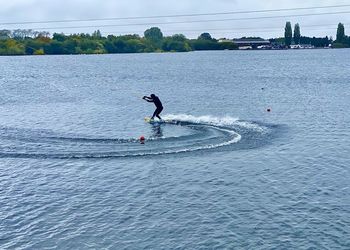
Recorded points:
(16, 11)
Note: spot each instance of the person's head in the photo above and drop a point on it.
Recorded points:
(153, 95)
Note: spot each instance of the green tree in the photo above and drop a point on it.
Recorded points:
(288, 34)
(18, 34)
(70, 45)
(97, 34)
(228, 46)
(59, 37)
(205, 36)
(90, 46)
(131, 46)
(297, 33)
(316, 41)
(340, 33)
(177, 42)
(11, 47)
(33, 45)
(198, 44)
(5, 34)
(154, 35)
(129, 37)
(54, 48)
(178, 37)
(116, 46)
(30, 42)
(39, 52)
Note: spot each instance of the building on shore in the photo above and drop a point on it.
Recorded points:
(262, 44)
(252, 43)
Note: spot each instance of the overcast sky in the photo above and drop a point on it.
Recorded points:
(43, 10)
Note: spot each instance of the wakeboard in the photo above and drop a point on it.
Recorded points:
(154, 121)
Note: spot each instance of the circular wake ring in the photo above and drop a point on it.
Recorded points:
(205, 135)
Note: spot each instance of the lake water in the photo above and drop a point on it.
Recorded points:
(222, 172)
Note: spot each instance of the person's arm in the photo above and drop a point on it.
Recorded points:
(148, 99)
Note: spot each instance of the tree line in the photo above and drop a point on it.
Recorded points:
(29, 42)
(342, 41)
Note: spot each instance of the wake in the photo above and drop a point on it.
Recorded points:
(206, 133)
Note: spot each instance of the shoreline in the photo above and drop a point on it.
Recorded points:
(167, 52)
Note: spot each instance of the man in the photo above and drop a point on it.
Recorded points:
(156, 102)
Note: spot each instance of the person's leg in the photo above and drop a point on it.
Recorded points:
(155, 114)
(159, 111)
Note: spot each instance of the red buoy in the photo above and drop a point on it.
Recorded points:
(142, 139)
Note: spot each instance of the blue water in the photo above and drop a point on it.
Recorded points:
(220, 173)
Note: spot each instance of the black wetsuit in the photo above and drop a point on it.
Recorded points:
(158, 104)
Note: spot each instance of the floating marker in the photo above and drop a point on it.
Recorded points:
(268, 110)
(142, 139)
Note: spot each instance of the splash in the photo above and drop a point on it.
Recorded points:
(216, 121)
(206, 119)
